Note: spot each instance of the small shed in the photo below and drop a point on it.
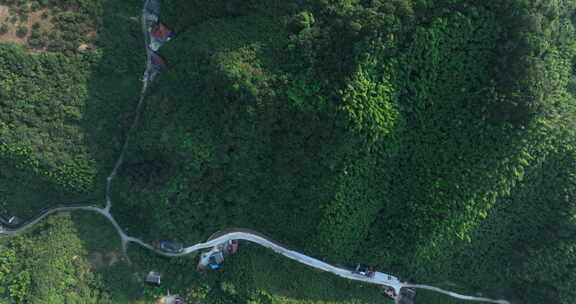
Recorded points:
(153, 278)
(217, 258)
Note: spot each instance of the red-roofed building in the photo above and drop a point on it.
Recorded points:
(160, 34)
(158, 62)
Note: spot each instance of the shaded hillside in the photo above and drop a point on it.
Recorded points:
(431, 139)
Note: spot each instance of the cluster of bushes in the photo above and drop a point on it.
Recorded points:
(31, 108)
(22, 31)
(54, 269)
(4, 28)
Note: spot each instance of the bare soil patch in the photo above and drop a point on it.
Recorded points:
(83, 47)
(14, 22)
(42, 19)
(103, 260)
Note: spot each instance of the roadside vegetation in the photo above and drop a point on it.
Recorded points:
(431, 139)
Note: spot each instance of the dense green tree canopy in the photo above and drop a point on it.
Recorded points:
(431, 139)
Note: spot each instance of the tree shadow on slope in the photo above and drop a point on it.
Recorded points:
(25, 193)
(114, 91)
(115, 85)
(235, 150)
(215, 116)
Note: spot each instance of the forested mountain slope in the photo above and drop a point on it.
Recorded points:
(431, 139)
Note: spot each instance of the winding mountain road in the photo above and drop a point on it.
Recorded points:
(219, 237)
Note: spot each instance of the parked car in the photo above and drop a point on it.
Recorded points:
(6, 218)
(364, 270)
(168, 246)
